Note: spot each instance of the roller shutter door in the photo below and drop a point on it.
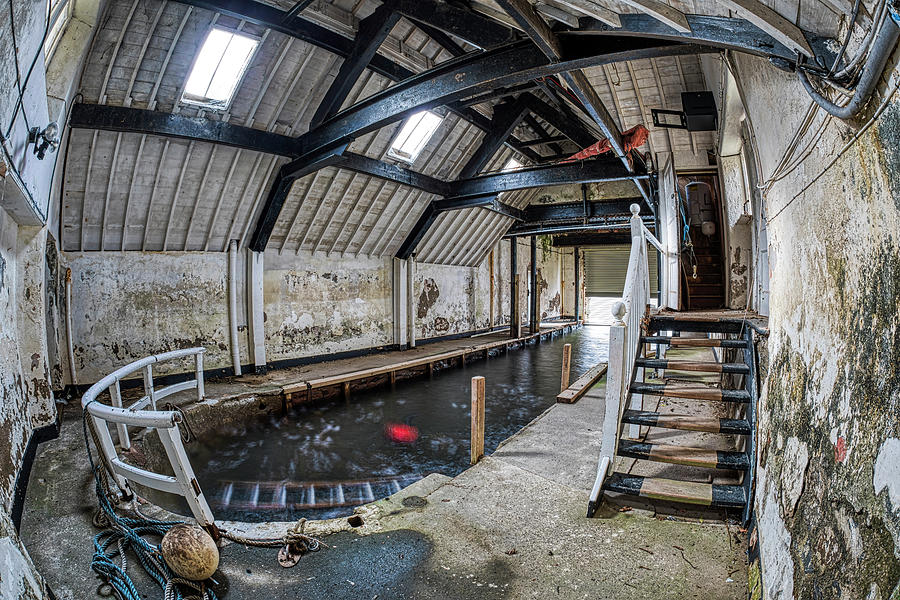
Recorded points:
(605, 268)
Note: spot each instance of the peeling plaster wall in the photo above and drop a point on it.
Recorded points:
(316, 304)
(828, 497)
(737, 233)
(128, 305)
(449, 300)
(550, 271)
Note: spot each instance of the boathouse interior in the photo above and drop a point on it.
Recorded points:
(450, 299)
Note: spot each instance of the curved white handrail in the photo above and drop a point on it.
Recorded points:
(165, 422)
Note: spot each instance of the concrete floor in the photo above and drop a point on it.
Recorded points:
(513, 526)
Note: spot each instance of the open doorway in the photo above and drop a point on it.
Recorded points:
(702, 258)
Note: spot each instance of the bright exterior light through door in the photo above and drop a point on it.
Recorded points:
(219, 68)
(414, 135)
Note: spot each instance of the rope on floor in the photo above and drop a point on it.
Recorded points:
(127, 533)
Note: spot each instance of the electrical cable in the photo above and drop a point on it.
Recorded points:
(885, 103)
(20, 105)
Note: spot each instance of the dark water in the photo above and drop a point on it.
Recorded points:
(346, 441)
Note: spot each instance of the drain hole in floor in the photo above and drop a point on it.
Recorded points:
(414, 502)
(355, 521)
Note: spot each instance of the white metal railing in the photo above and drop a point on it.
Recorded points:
(624, 344)
(165, 422)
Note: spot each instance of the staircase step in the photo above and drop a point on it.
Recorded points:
(687, 365)
(706, 494)
(686, 422)
(679, 342)
(693, 392)
(683, 455)
(689, 323)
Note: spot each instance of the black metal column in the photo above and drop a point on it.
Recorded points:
(577, 286)
(513, 289)
(533, 316)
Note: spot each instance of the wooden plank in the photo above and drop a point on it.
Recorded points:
(578, 389)
(387, 369)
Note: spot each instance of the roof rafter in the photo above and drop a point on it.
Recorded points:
(373, 30)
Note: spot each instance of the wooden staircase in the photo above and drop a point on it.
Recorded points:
(717, 407)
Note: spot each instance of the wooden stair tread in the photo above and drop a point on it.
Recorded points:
(690, 391)
(688, 365)
(684, 455)
(693, 342)
(686, 422)
(657, 488)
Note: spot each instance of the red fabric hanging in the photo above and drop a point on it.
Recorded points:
(631, 139)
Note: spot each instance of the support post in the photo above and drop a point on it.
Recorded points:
(566, 367)
(533, 323)
(232, 307)
(400, 302)
(577, 285)
(257, 318)
(514, 312)
(491, 303)
(477, 419)
(410, 301)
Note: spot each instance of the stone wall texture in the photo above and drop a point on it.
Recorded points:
(828, 495)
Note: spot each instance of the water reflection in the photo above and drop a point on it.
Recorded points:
(341, 442)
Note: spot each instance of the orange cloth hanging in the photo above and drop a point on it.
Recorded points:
(631, 139)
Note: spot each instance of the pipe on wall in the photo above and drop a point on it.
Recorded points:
(70, 343)
(878, 56)
(232, 306)
(410, 300)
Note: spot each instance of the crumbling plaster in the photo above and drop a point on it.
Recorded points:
(828, 512)
(315, 304)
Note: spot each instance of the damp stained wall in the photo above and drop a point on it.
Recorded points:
(316, 304)
(828, 493)
(128, 305)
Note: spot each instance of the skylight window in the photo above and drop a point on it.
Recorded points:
(414, 135)
(219, 67)
(511, 165)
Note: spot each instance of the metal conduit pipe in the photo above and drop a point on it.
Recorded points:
(70, 343)
(878, 56)
(232, 306)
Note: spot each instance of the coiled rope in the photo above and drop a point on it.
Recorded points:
(127, 533)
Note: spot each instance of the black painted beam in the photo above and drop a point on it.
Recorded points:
(573, 211)
(533, 301)
(491, 203)
(151, 122)
(423, 224)
(582, 239)
(470, 75)
(525, 15)
(543, 136)
(383, 170)
(589, 171)
(373, 30)
(563, 120)
(727, 33)
(506, 117)
(279, 193)
(478, 30)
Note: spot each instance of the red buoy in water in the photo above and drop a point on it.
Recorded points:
(400, 433)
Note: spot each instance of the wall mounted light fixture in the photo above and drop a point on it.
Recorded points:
(44, 139)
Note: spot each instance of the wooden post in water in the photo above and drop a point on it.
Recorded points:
(477, 419)
(566, 367)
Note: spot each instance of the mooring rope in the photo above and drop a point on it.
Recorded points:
(125, 533)
(121, 534)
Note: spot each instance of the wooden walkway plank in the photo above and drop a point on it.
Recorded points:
(578, 389)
